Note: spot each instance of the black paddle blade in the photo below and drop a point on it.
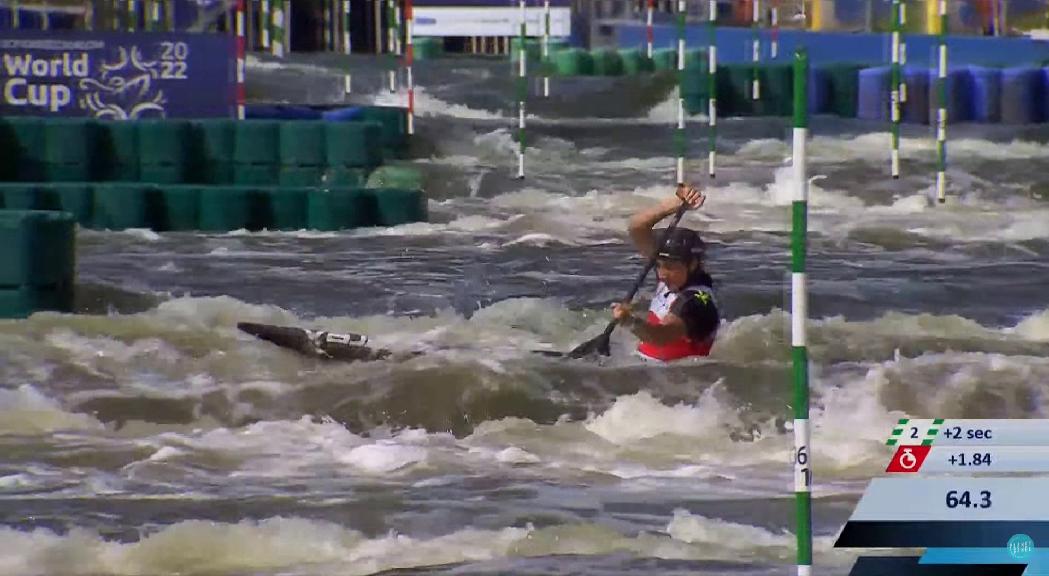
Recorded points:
(600, 345)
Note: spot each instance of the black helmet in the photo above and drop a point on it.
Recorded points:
(682, 244)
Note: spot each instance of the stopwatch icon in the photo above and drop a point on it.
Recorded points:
(908, 460)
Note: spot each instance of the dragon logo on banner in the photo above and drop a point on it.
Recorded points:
(124, 89)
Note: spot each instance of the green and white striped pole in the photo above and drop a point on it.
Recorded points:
(522, 89)
(546, 48)
(398, 25)
(279, 16)
(755, 56)
(391, 39)
(799, 319)
(941, 111)
(895, 97)
(266, 24)
(347, 39)
(679, 135)
(326, 21)
(712, 86)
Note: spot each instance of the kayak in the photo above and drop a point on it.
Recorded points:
(346, 347)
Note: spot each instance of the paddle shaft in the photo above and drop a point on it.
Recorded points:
(651, 262)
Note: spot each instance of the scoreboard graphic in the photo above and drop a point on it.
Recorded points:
(973, 493)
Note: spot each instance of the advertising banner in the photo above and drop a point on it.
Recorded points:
(500, 20)
(116, 76)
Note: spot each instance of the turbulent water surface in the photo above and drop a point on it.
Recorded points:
(147, 436)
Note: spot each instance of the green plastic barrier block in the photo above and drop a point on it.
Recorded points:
(695, 82)
(533, 49)
(178, 208)
(776, 90)
(228, 208)
(210, 158)
(22, 149)
(70, 141)
(162, 173)
(353, 144)
(734, 90)
(122, 205)
(301, 176)
(406, 177)
(256, 174)
(345, 177)
(256, 142)
(427, 48)
(37, 248)
(77, 198)
(302, 143)
(119, 153)
(395, 206)
(636, 62)
(341, 209)
(664, 59)
(696, 58)
(574, 62)
(844, 89)
(288, 208)
(23, 301)
(394, 124)
(215, 173)
(164, 141)
(67, 172)
(215, 139)
(608, 62)
(24, 196)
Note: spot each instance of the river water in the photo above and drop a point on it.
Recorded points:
(145, 435)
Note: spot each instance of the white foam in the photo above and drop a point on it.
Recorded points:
(1034, 327)
(429, 105)
(383, 457)
(641, 416)
(25, 410)
(278, 544)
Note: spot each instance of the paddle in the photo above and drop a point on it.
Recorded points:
(602, 343)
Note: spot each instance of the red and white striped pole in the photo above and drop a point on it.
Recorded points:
(648, 29)
(409, 52)
(241, 65)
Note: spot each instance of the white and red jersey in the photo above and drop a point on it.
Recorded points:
(662, 304)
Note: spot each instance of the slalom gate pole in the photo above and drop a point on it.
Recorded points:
(347, 19)
(409, 53)
(649, 31)
(679, 134)
(799, 319)
(755, 56)
(241, 64)
(546, 48)
(941, 109)
(280, 15)
(712, 88)
(774, 17)
(266, 13)
(522, 90)
(896, 82)
(391, 40)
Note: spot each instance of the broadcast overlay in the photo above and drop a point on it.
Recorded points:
(973, 493)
